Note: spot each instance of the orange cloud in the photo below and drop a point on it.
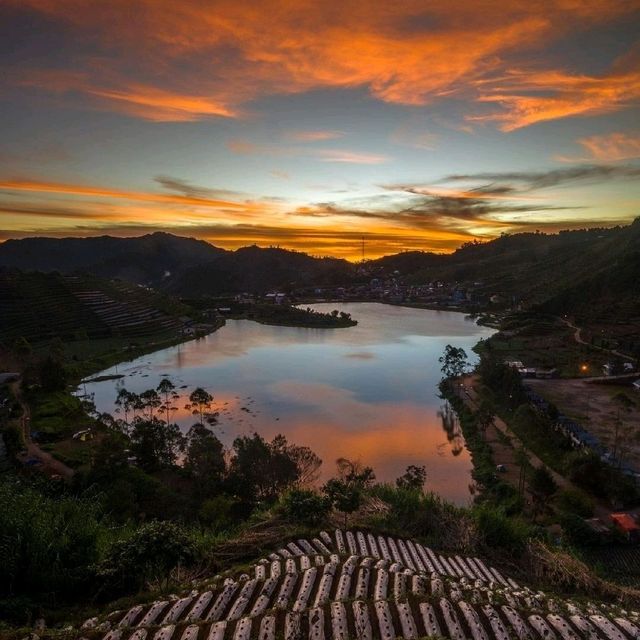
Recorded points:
(244, 147)
(612, 147)
(563, 96)
(336, 155)
(313, 136)
(193, 59)
(107, 192)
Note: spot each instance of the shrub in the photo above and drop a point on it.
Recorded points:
(150, 553)
(498, 531)
(305, 507)
(578, 532)
(575, 502)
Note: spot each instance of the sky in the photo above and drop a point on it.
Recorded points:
(310, 125)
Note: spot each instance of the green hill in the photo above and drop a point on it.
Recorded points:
(42, 306)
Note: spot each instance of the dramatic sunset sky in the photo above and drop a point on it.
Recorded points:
(418, 124)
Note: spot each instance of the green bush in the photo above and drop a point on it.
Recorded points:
(48, 541)
(577, 532)
(572, 501)
(499, 532)
(305, 507)
(150, 553)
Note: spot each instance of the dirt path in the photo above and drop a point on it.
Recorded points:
(49, 465)
(467, 392)
(577, 336)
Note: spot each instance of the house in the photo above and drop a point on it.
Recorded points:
(627, 525)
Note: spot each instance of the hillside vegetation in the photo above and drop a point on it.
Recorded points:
(42, 306)
(590, 273)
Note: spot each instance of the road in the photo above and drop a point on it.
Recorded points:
(466, 391)
(49, 465)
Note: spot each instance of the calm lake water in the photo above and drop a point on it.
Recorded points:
(368, 392)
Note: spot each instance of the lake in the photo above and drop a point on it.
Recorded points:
(367, 392)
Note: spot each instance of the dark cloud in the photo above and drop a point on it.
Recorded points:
(424, 210)
(531, 180)
(192, 190)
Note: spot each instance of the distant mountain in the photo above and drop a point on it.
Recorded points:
(148, 259)
(257, 270)
(589, 272)
(592, 273)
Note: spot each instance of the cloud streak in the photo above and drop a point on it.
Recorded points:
(193, 60)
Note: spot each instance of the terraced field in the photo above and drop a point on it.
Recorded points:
(43, 306)
(357, 585)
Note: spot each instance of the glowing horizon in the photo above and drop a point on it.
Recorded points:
(310, 125)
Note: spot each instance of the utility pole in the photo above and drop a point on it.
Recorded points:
(362, 248)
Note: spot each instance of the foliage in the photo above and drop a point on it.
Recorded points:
(413, 478)
(575, 502)
(542, 483)
(150, 553)
(305, 507)
(52, 374)
(154, 443)
(344, 496)
(287, 315)
(217, 512)
(577, 532)
(498, 531)
(204, 459)
(48, 539)
(259, 470)
(200, 405)
(454, 361)
(588, 472)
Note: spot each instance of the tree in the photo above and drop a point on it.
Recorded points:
(413, 478)
(345, 497)
(200, 403)
(166, 388)
(52, 375)
(542, 486)
(345, 492)
(150, 401)
(155, 444)
(484, 417)
(352, 472)
(307, 463)
(306, 507)
(454, 362)
(204, 459)
(259, 470)
(125, 400)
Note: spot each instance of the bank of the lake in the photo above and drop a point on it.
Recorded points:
(367, 391)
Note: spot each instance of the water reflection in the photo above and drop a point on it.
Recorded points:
(367, 392)
(451, 426)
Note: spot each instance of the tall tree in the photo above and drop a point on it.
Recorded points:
(155, 444)
(259, 470)
(150, 402)
(166, 389)
(454, 361)
(204, 459)
(200, 404)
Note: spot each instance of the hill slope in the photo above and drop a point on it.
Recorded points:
(41, 306)
(257, 270)
(586, 272)
(144, 260)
